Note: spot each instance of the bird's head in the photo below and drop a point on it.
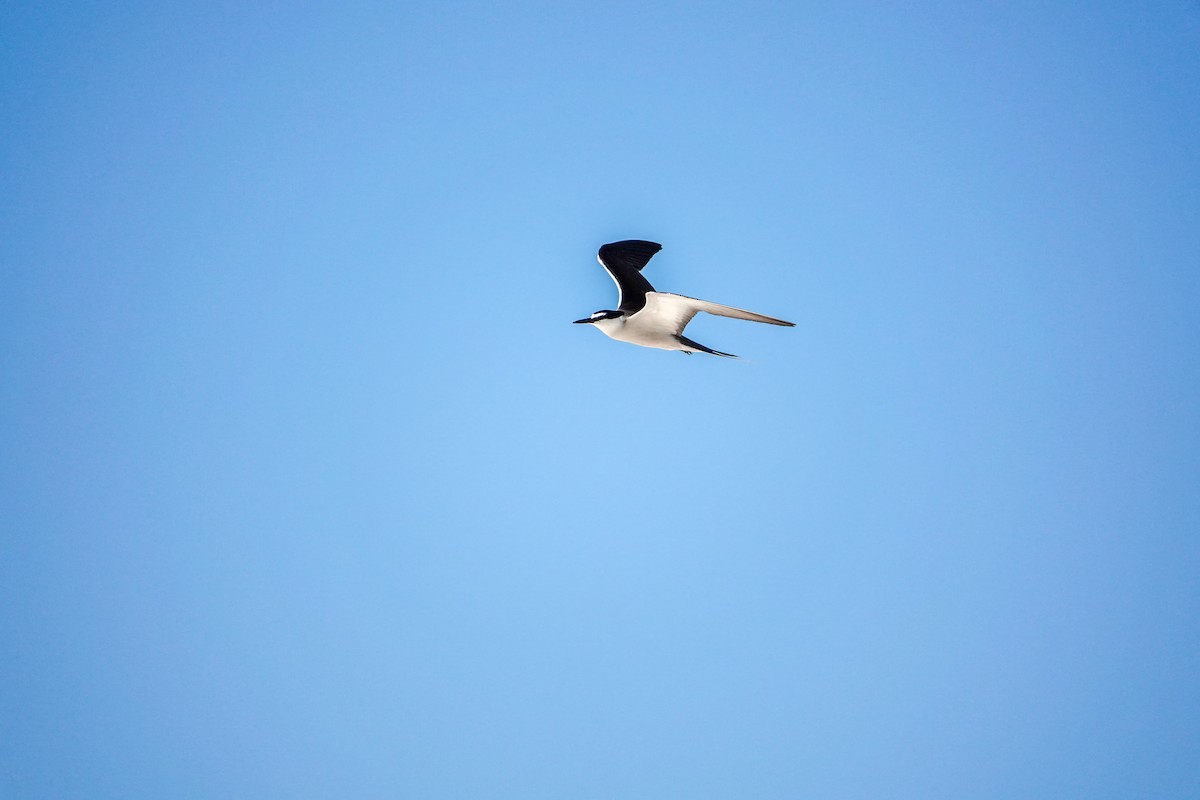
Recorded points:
(599, 316)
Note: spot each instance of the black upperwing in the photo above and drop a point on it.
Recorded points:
(624, 262)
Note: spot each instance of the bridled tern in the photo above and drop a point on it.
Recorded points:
(649, 318)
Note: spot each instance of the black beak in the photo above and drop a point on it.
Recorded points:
(578, 321)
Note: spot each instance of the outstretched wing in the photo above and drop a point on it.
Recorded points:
(675, 311)
(624, 262)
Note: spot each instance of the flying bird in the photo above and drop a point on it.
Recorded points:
(649, 318)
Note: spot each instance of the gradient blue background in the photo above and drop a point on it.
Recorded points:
(311, 489)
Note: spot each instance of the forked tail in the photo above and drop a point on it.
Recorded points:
(689, 343)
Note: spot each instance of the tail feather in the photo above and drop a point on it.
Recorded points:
(689, 343)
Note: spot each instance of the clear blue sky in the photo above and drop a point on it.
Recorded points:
(309, 487)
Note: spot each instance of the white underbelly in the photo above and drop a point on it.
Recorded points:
(636, 334)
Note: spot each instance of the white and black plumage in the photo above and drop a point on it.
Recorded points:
(649, 318)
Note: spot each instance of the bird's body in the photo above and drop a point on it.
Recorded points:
(654, 319)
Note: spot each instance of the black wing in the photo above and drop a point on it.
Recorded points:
(624, 262)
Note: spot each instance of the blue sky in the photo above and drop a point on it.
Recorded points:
(311, 489)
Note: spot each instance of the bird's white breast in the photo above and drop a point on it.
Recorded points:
(639, 330)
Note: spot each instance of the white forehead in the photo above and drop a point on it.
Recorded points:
(597, 314)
